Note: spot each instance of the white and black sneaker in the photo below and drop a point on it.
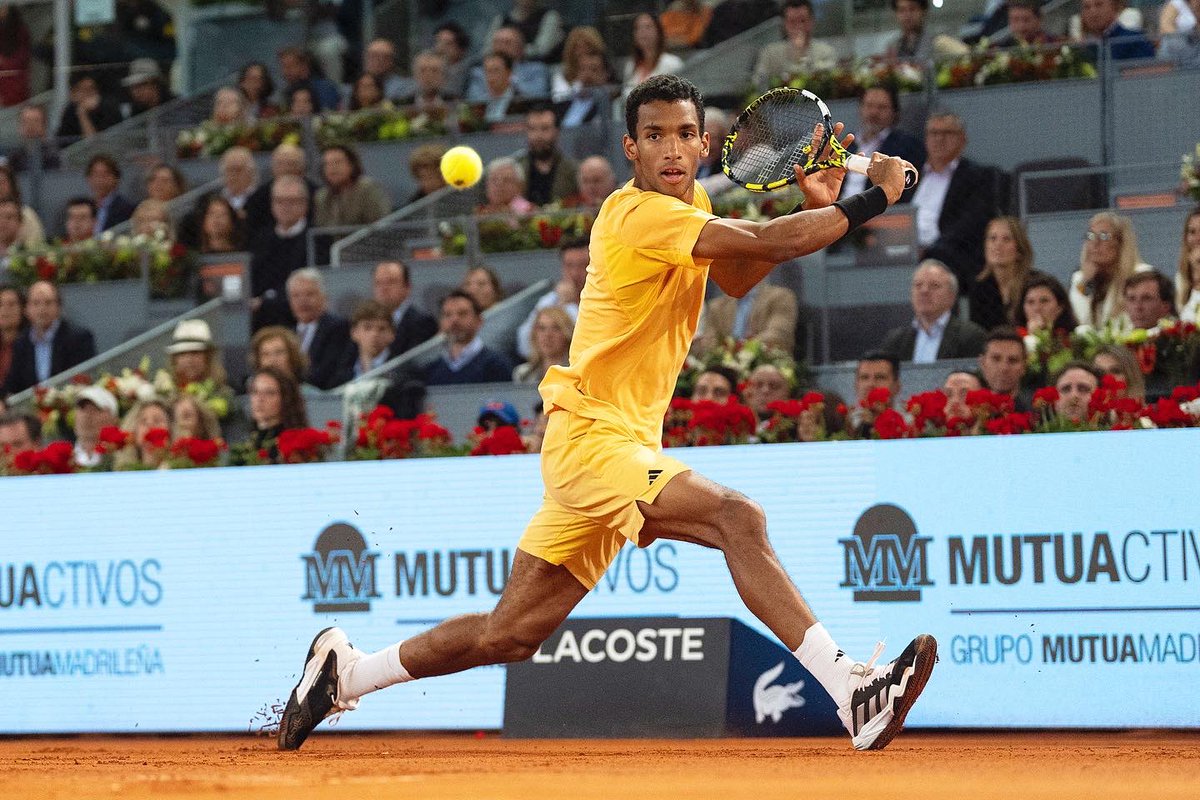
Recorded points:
(316, 695)
(880, 697)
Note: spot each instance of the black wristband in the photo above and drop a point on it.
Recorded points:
(863, 206)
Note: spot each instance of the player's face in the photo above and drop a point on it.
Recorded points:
(668, 147)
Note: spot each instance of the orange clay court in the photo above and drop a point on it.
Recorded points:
(350, 766)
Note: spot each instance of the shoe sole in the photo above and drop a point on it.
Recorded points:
(923, 663)
(294, 704)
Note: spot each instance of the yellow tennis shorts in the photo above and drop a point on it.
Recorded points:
(595, 473)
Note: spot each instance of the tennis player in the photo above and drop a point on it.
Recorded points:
(654, 245)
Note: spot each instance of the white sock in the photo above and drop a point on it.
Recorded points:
(372, 672)
(829, 665)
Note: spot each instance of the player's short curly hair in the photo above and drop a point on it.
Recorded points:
(661, 87)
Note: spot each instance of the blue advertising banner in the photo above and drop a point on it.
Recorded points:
(1060, 574)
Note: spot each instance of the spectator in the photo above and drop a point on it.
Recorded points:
(497, 414)
(221, 227)
(379, 61)
(95, 409)
(684, 23)
(33, 127)
(767, 313)
(505, 188)
(10, 231)
(708, 169)
(565, 79)
(765, 385)
(541, 27)
(1003, 364)
(193, 419)
(424, 163)
(14, 57)
(878, 113)
(323, 336)
(278, 252)
(550, 174)
(12, 324)
(958, 385)
(367, 93)
(549, 345)
(276, 405)
(1178, 16)
(453, 44)
(596, 182)
(391, 288)
(1007, 264)
(104, 180)
(1190, 312)
(430, 92)
(146, 86)
(573, 265)
(955, 199)
(498, 89)
(797, 53)
(230, 107)
(1119, 361)
(152, 220)
(1098, 19)
(278, 347)
(88, 112)
(239, 176)
(302, 101)
(81, 220)
(1076, 382)
(1044, 305)
(371, 337)
(648, 55)
(144, 452)
(297, 68)
(934, 333)
(1024, 25)
(50, 345)
(591, 97)
(32, 232)
(1107, 260)
(286, 159)
(257, 88)
(348, 197)
(195, 358)
(466, 358)
(18, 433)
(1183, 48)
(716, 385)
(165, 183)
(483, 284)
(536, 430)
(1187, 274)
(1149, 297)
(915, 40)
(875, 370)
(531, 78)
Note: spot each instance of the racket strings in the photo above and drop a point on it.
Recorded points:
(774, 136)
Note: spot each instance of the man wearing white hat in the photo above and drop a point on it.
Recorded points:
(95, 408)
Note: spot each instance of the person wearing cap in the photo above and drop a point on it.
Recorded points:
(194, 355)
(498, 413)
(95, 409)
(145, 85)
(50, 345)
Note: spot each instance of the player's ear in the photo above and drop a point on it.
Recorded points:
(629, 146)
(705, 143)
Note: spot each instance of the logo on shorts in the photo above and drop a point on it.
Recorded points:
(339, 575)
(653, 475)
(885, 558)
(773, 701)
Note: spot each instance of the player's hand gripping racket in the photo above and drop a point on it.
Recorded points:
(776, 132)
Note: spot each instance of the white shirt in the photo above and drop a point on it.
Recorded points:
(86, 458)
(855, 182)
(295, 230)
(469, 352)
(929, 197)
(1191, 309)
(929, 341)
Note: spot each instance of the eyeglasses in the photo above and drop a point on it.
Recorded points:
(1100, 236)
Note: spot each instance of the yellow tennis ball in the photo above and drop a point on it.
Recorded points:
(462, 167)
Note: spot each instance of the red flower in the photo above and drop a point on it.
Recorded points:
(1166, 413)
(303, 445)
(157, 438)
(890, 424)
(27, 461)
(1147, 356)
(112, 439)
(201, 452)
(927, 407)
(503, 441)
(812, 399)
(789, 408)
(178, 250)
(878, 398)
(842, 410)
(1112, 383)
(380, 414)
(1009, 424)
(1185, 394)
(58, 458)
(1046, 396)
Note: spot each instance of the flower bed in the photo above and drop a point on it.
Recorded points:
(850, 80)
(109, 258)
(504, 233)
(984, 67)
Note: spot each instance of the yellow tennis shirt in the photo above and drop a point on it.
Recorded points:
(637, 313)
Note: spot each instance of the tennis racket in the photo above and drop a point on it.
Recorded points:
(776, 132)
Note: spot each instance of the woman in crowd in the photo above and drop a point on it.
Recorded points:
(425, 165)
(12, 323)
(549, 344)
(583, 40)
(1108, 257)
(193, 419)
(145, 450)
(348, 197)
(194, 356)
(165, 183)
(1187, 276)
(505, 188)
(1119, 361)
(1044, 305)
(222, 230)
(367, 92)
(483, 284)
(302, 101)
(278, 347)
(229, 107)
(1076, 383)
(152, 220)
(14, 56)
(256, 86)
(32, 233)
(276, 405)
(1007, 262)
(649, 55)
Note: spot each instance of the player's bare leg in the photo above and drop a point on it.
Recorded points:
(872, 700)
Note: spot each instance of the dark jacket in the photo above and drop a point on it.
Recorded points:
(258, 207)
(488, 366)
(272, 260)
(414, 328)
(330, 340)
(900, 144)
(962, 339)
(72, 345)
(119, 210)
(970, 203)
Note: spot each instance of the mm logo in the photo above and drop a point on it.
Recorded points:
(339, 575)
(885, 559)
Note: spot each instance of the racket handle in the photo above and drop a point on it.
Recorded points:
(859, 163)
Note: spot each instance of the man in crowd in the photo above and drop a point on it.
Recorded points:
(573, 263)
(239, 176)
(875, 370)
(453, 44)
(765, 385)
(103, 177)
(34, 130)
(95, 409)
(323, 336)
(80, 223)
(296, 67)
(708, 171)
(955, 199)
(379, 59)
(718, 384)
(878, 112)
(1149, 297)
(466, 359)
(1099, 23)
(286, 159)
(145, 85)
(429, 91)
(371, 336)
(278, 252)
(589, 101)
(391, 287)
(1024, 25)
(497, 92)
(596, 181)
(529, 78)
(1076, 383)
(767, 313)
(934, 334)
(915, 40)
(18, 432)
(51, 344)
(1003, 364)
(550, 175)
(797, 53)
